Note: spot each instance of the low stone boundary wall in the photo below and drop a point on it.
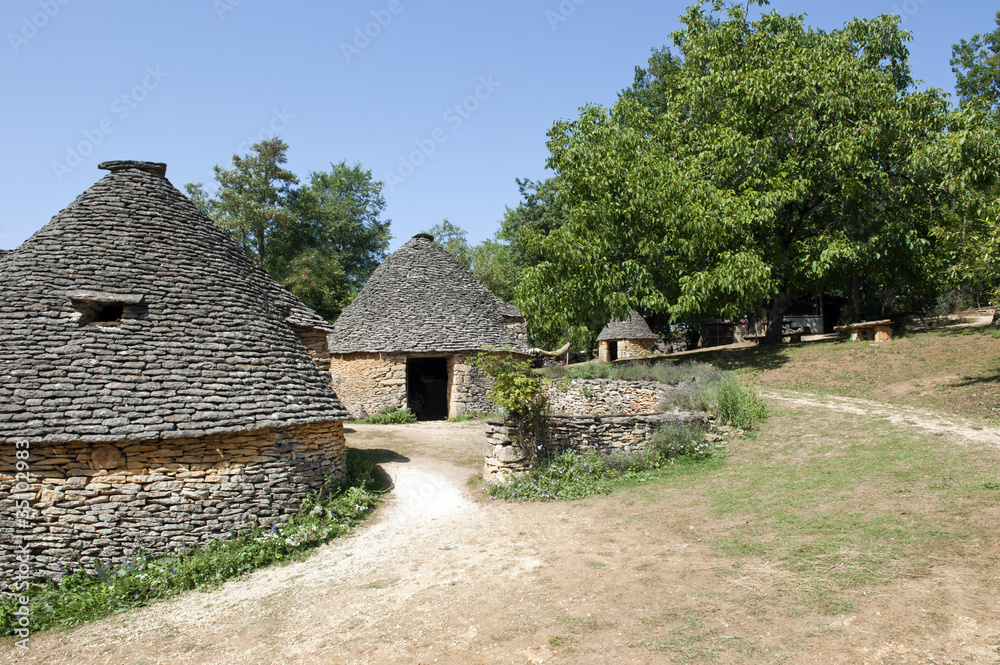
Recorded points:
(604, 397)
(504, 455)
(91, 503)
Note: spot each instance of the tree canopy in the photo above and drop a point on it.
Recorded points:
(751, 163)
(321, 240)
(976, 63)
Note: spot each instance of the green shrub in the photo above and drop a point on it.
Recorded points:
(518, 393)
(391, 415)
(738, 404)
(680, 439)
(80, 596)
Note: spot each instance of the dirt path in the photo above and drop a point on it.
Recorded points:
(384, 590)
(442, 575)
(902, 416)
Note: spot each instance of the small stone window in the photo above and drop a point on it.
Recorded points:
(101, 309)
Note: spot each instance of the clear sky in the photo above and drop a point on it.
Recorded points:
(446, 101)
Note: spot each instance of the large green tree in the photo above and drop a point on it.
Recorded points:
(976, 63)
(254, 198)
(339, 215)
(753, 162)
(971, 245)
(454, 239)
(321, 240)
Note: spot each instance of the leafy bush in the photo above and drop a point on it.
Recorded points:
(80, 596)
(391, 415)
(680, 439)
(571, 475)
(518, 393)
(738, 404)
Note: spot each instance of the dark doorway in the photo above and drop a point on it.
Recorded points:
(427, 387)
(612, 351)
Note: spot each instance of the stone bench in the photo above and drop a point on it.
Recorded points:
(879, 331)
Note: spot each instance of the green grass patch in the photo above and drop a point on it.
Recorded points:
(391, 415)
(835, 514)
(469, 415)
(80, 596)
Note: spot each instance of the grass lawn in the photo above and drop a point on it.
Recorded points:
(954, 370)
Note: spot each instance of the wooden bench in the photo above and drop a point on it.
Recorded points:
(879, 331)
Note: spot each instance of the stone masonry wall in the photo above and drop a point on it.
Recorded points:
(626, 348)
(366, 383)
(96, 502)
(635, 348)
(468, 388)
(604, 397)
(504, 456)
(317, 345)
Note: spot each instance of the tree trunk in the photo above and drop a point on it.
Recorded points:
(888, 299)
(854, 314)
(776, 316)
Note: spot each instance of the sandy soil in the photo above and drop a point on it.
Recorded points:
(444, 575)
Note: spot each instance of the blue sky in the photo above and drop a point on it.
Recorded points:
(448, 101)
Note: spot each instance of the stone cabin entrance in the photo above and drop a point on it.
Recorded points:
(427, 387)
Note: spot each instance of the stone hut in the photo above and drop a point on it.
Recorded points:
(631, 338)
(406, 338)
(156, 389)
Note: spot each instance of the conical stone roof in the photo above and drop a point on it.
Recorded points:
(635, 327)
(422, 299)
(205, 342)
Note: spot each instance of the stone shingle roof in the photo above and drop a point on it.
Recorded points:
(422, 299)
(635, 327)
(205, 342)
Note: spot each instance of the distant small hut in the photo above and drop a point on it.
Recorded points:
(406, 339)
(156, 389)
(631, 338)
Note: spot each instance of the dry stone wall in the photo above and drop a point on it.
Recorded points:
(469, 388)
(366, 383)
(96, 502)
(635, 348)
(591, 414)
(505, 456)
(603, 397)
(317, 345)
